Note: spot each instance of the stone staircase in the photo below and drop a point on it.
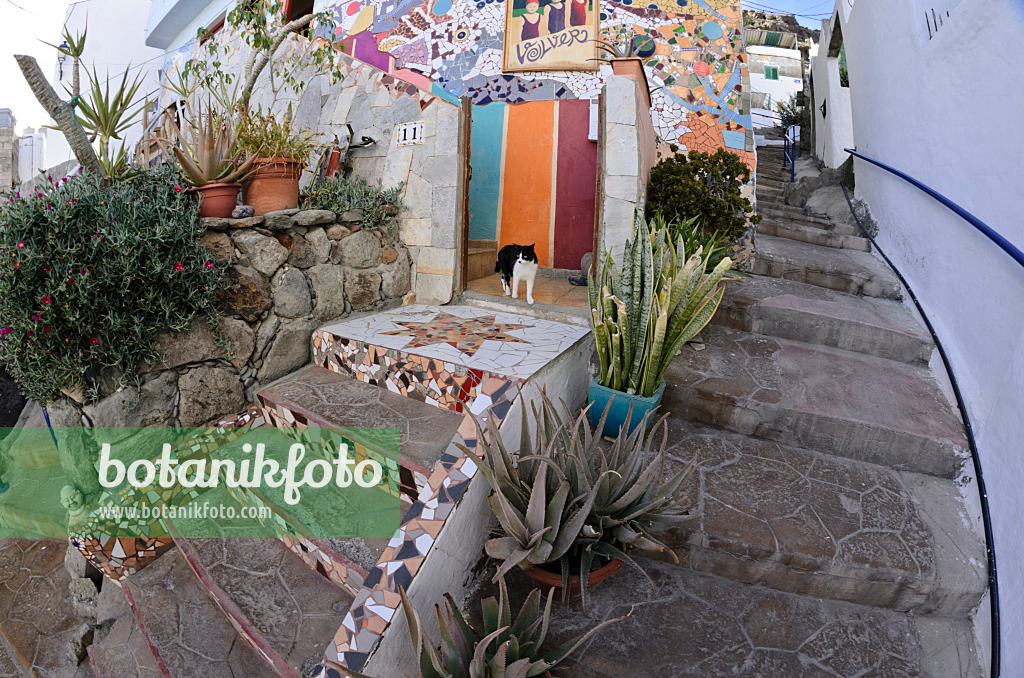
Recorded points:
(832, 535)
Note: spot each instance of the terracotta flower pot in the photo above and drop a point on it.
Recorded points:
(633, 68)
(548, 579)
(218, 200)
(273, 185)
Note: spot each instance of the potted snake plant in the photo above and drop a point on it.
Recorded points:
(503, 648)
(210, 159)
(642, 317)
(282, 152)
(572, 506)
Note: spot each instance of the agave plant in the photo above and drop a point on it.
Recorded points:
(644, 315)
(504, 648)
(615, 50)
(208, 152)
(570, 498)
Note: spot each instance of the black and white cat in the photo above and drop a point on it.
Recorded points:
(515, 263)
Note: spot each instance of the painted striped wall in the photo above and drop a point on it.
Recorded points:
(540, 187)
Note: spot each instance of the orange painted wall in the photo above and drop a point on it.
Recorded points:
(526, 192)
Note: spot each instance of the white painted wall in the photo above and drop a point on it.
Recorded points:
(115, 42)
(789, 82)
(947, 112)
(833, 128)
(31, 154)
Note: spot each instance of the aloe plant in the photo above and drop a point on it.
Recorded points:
(504, 648)
(208, 152)
(569, 498)
(614, 50)
(644, 315)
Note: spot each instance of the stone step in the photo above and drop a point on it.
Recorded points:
(691, 625)
(121, 649)
(289, 610)
(37, 619)
(836, 269)
(822, 526)
(189, 633)
(815, 315)
(813, 235)
(318, 396)
(825, 399)
(571, 315)
(788, 213)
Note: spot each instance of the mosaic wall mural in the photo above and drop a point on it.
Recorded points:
(696, 69)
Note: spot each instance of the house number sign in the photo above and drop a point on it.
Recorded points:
(410, 134)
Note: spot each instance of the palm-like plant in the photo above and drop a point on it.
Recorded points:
(504, 648)
(569, 499)
(208, 152)
(642, 317)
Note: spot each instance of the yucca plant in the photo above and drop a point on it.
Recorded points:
(504, 648)
(569, 498)
(208, 152)
(644, 315)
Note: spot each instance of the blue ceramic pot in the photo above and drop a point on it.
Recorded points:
(599, 397)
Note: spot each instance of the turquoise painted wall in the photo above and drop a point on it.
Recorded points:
(485, 156)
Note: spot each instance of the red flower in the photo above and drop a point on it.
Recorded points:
(47, 299)
(35, 318)
(47, 269)
(6, 330)
(209, 264)
(94, 341)
(178, 189)
(71, 280)
(46, 329)
(178, 266)
(21, 244)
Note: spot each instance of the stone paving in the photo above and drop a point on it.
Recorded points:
(693, 625)
(293, 608)
(37, 619)
(842, 403)
(192, 636)
(810, 523)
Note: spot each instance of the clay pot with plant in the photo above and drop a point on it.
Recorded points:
(572, 507)
(627, 59)
(274, 182)
(210, 158)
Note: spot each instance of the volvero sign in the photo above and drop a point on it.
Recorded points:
(551, 35)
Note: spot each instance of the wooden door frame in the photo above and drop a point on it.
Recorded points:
(465, 176)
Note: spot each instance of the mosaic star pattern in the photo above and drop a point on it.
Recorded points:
(465, 334)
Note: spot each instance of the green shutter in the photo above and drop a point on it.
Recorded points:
(771, 72)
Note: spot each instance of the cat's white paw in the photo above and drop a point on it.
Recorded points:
(529, 301)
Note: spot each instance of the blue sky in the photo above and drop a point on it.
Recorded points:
(809, 12)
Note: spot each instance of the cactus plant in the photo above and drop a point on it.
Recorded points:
(644, 315)
(571, 499)
(505, 648)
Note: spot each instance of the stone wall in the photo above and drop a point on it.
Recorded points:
(290, 272)
(8, 159)
(629, 153)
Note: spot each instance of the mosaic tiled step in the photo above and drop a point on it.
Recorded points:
(836, 269)
(776, 211)
(37, 621)
(317, 396)
(824, 526)
(189, 633)
(691, 625)
(815, 315)
(289, 611)
(833, 401)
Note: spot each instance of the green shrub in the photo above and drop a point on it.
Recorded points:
(91, 274)
(351, 192)
(702, 185)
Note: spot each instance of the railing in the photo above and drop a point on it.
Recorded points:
(992, 235)
(1018, 256)
(789, 154)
